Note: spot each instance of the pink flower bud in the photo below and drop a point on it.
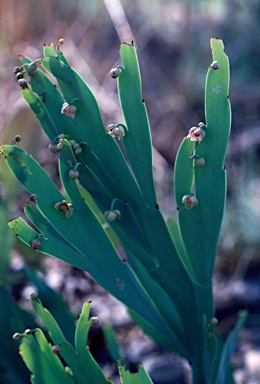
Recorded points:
(196, 134)
(69, 110)
(35, 244)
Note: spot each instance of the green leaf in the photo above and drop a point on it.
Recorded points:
(183, 172)
(83, 326)
(119, 180)
(45, 366)
(140, 377)
(137, 140)
(111, 342)
(48, 320)
(200, 225)
(229, 349)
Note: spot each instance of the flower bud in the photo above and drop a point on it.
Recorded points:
(36, 244)
(200, 162)
(23, 83)
(118, 132)
(17, 69)
(17, 336)
(73, 174)
(69, 110)
(32, 67)
(189, 201)
(78, 151)
(214, 65)
(19, 75)
(110, 127)
(196, 134)
(17, 138)
(56, 349)
(115, 72)
(64, 207)
(94, 320)
(112, 215)
(55, 148)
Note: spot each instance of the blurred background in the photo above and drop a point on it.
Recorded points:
(172, 39)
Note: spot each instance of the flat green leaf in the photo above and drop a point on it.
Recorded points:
(137, 140)
(200, 225)
(119, 180)
(109, 270)
(111, 342)
(174, 230)
(49, 50)
(48, 320)
(140, 377)
(40, 111)
(83, 326)
(229, 349)
(183, 172)
(45, 366)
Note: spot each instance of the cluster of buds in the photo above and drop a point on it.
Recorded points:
(197, 133)
(112, 214)
(189, 201)
(64, 207)
(76, 147)
(117, 131)
(69, 109)
(19, 72)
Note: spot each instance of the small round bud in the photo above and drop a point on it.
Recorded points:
(36, 244)
(110, 127)
(200, 162)
(32, 67)
(118, 133)
(214, 321)
(17, 69)
(64, 207)
(69, 109)
(28, 331)
(56, 349)
(189, 201)
(73, 174)
(112, 214)
(76, 146)
(19, 75)
(115, 72)
(94, 320)
(78, 151)
(17, 336)
(196, 134)
(23, 83)
(214, 65)
(61, 41)
(17, 138)
(55, 148)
